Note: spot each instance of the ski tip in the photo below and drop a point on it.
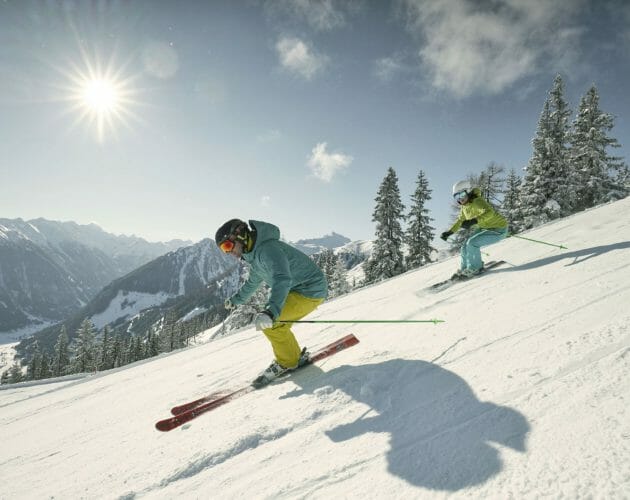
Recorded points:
(165, 425)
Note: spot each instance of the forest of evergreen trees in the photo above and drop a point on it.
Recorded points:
(571, 169)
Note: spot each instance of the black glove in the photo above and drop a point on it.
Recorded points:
(445, 235)
(468, 223)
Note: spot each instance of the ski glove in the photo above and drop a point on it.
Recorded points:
(445, 235)
(468, 223)
(229, 305)
(263, 320)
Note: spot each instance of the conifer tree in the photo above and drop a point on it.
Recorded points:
(45, 366)
(420, 233)
(548, 188)
(15, 373)
(4, 379)
(333, 270)
(339, 284)
(61, 357)
(597, 172)
(34, 369)
(117, 351)
(104, 355)
(387, 257)
(169, 333)
(511, 206)
(152, 344)
(84, 359)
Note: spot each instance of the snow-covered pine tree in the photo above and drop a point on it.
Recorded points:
(340, 284)
(135, 349)
(387, 258)
(169, 335)
(548, 188)
(45, 366)
(34, 368)
(597, 172)
(84, 359)
(117, 351)
(15, 373)
(335, 273)
(104, 361)
(152, 344)
(420, 232)
(511, 206)
(61, 356)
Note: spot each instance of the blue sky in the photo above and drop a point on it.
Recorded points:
(285, 111)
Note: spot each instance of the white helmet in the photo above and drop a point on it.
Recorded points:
(462, 186)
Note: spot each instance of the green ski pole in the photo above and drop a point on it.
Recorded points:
(538, 241)
(434, 321)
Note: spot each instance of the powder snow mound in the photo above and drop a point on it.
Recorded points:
(521, 393)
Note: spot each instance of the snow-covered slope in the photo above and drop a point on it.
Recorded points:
(522, 393)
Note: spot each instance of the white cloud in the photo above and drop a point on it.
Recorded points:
(471, 47)
(297, 57)
(326, 165)
(387, 68)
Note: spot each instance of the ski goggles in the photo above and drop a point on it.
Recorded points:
(460, 196)
(226, 246)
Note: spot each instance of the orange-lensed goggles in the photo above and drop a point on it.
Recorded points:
(227, 246)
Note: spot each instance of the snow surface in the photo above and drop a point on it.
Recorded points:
(522, 393)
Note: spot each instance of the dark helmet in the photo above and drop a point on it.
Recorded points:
(233, 227)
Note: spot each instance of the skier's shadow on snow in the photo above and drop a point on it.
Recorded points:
(441, 436)
(575, 257)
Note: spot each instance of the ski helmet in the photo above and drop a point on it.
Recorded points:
(233, 227)
(462, 186)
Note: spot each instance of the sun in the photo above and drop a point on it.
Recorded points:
(103, 97)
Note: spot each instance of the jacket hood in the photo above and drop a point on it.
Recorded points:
(264, 231)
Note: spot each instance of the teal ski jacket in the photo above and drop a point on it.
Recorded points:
(284, 268)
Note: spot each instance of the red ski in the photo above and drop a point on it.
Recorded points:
(188, 411)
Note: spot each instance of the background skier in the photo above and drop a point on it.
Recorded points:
(297, 285)
(475, 211)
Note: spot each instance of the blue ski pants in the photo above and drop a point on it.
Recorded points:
(471, 253)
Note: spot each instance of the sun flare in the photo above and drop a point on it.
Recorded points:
(102, 98)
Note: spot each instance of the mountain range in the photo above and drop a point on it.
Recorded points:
(68, 273)
(50, 269)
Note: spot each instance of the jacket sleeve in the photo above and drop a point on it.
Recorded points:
(276, 264)
(458, 223)
(247, 290)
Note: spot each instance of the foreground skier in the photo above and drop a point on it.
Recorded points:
(491, 227)
(297, 285)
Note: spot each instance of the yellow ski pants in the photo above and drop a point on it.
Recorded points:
(285, 346)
